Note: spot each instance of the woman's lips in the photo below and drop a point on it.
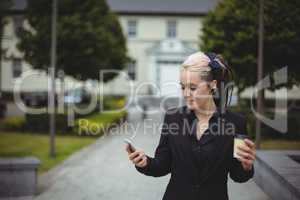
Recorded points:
(190, 101)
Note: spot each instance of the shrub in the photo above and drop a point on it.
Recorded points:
(97, 124)
(13, 124)
(40, 123)
(113, 102)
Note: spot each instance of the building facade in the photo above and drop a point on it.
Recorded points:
(160, 35)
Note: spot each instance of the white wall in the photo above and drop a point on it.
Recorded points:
(150, 31)
(154, 27)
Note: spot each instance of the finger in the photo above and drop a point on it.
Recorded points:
(245, 161)
(133, 155)
(244, 148)
(142, 162)
(128, 149)
(245, 155)
(138, 158)
(249, 143)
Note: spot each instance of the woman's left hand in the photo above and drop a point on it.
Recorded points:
(247, 154)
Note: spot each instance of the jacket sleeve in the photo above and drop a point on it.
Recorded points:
(160, 165)
(237, 172)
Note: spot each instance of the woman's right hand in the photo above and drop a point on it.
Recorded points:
(138, 157)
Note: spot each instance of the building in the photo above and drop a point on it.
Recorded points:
(160, 35)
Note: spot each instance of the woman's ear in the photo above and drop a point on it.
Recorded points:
(213, 84)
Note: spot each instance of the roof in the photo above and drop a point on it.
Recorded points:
(184, 7)
(154, 7)
(19, 5)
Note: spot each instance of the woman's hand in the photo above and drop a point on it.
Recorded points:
(247, 154)
(138, 157)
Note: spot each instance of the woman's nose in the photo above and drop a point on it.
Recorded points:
(186, 92)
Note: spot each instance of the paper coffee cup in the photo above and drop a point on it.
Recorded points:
(238, 141)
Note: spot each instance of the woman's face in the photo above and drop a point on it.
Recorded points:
(195, 91)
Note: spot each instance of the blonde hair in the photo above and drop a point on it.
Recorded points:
(201, 62)
(198, 62)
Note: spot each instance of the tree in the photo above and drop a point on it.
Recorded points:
(231, 29)
(89, 37)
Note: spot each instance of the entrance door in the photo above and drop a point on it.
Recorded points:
(169, 79)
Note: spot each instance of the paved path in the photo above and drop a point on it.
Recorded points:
(102, 171)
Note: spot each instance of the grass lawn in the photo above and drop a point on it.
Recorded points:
(22, 144)
(14, 144)
(280, 144)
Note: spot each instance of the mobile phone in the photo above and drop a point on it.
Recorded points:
(131, 147)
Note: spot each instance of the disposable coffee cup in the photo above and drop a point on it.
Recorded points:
(238, 141)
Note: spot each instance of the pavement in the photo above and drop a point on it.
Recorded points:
(102, 170)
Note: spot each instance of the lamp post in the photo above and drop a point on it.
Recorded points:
(260, 60)
(52, 74)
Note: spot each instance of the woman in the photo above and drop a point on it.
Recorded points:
(199, 153)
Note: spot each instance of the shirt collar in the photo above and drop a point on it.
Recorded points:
(192, 114)
(192, 118)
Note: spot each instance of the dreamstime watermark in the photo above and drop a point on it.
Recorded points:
(135, 92)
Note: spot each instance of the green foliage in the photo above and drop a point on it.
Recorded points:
(232, 30)
(93, 125)
(40, 123)
(25, 144)
(13, 124)
(98, 124)
(293, 121)
(279, 144)
(4, 6)
(113, 102)
(89, 37)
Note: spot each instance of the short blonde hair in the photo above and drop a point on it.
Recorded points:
(198, 62)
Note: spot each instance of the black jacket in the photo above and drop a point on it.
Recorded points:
(199, 168)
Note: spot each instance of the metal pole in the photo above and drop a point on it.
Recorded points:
(259, 101)
(1, 38)
(52, 92)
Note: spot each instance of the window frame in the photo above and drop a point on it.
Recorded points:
(132, 28)
(172, 29)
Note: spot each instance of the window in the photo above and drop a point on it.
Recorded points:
(16, 67)
(131, 69)
(131, 28)
(171, 29)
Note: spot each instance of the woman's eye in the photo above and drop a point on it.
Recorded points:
(193, 88)
(182, 88)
